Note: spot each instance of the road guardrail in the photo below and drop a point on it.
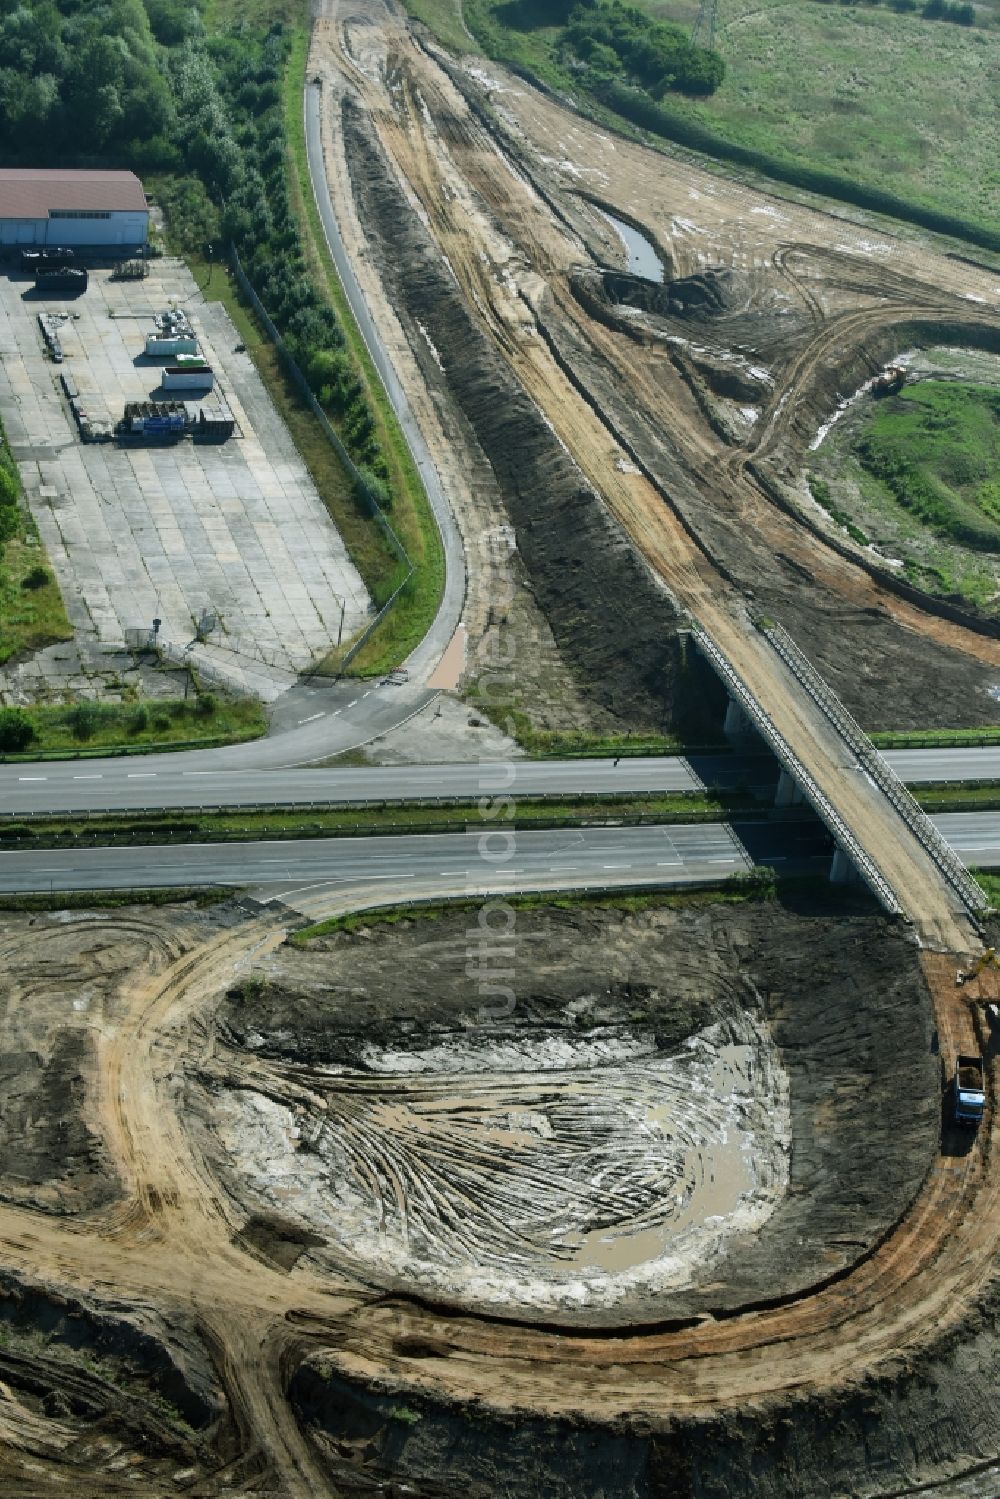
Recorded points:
(871, 760)
(866, 866)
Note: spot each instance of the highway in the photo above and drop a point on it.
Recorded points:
(488, 858)
(207, 778)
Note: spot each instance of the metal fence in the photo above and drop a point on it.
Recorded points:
(881, 772)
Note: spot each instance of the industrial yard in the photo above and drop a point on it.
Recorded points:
(169, 525)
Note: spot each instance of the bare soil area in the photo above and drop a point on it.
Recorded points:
(239, 1308)
(667, 1122)
(477, 197)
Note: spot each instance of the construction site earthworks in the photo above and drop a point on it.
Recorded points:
(681, 1204)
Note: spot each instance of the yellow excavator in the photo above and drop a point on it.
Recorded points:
(986, 959)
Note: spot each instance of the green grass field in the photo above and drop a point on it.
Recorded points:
(936, 448)
(919, 476)
(894, 102)
(142, 726)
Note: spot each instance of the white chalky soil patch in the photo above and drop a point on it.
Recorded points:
(530, 1176)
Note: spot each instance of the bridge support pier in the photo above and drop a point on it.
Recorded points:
(737, 726)
(789, 792)
(843, 870)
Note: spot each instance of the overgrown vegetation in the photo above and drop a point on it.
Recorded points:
(936, 448)
(86, 80)
(88, 727)
(32, 613)
(611, 39)
(850, 101)
(760, 884)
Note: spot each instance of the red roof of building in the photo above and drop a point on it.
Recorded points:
(29, 194)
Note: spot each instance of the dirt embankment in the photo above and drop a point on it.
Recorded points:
(613, 623)
(931, 1416)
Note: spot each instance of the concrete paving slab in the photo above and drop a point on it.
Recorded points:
(142, 532)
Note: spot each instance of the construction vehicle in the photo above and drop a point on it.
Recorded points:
(970, 1089)
(986, 959)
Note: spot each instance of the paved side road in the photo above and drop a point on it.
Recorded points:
(492, 858)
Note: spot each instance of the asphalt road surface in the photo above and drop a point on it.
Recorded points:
(209, 778)
(429, 651)
(491, 858)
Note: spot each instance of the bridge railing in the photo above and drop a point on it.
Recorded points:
(758, 716)
(881, 772)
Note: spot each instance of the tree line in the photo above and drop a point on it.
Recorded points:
(124, 83)
(963, 14)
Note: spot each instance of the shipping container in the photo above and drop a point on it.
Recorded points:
(68, 281)
(196, 376)
(169, 345)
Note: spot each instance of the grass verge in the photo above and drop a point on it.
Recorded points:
(412, 517)
(959, 798)
(99, 900)
(936, 738)
(31, 616)
(279, 823)
(141, 727)
(990, 883)
(758, 885)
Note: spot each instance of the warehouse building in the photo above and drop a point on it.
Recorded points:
(88, 210)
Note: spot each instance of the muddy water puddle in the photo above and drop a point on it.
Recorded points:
(641, 259)
(527, 1176)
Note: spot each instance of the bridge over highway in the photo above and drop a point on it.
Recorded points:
(831, 763)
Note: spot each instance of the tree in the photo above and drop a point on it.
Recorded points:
(16, 730)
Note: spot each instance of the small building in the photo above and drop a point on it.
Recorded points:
(96, 210)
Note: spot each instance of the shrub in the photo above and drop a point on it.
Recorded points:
(36, 578)
(84, 720)
(205, 704)
(138, 721)
(16, 730)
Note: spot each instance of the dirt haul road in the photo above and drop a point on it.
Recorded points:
(514, 244)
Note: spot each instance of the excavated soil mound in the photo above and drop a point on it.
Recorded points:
(613, 623)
